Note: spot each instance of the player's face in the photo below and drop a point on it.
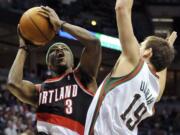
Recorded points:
(61, 57)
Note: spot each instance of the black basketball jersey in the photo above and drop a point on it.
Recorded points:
(64, 101)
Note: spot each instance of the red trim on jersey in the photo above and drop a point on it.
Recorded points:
(153, 71)
(61, 121)
(56, 78)
(82, 86)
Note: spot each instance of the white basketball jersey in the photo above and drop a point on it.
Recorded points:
(120, 106)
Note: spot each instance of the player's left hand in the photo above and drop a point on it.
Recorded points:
(172, 38)
(53, 17)
(22, 41)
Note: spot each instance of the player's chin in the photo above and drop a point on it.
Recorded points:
(62, 63)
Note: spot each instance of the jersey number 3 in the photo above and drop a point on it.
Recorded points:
(138, 113)
(68, 106)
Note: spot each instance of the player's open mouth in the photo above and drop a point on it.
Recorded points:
(61, 61)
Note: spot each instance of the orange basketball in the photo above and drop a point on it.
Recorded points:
(35, 27)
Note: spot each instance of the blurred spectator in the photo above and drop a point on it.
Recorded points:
(176, 123)
(157, 130)
(10, 129)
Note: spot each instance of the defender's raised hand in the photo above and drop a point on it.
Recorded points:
(172, 38)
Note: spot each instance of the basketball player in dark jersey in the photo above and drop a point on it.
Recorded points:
(62, 101)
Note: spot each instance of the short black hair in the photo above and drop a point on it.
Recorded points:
(163, 53)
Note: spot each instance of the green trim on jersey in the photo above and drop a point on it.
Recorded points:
(108, 84)
(112, 82)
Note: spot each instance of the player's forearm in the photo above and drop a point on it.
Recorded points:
(124, 4)
(162, 81)
(81, 34)
(16, 72)
(129, 43)
(163, 74)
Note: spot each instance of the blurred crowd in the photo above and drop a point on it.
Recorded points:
(164, 122)
(15, 118)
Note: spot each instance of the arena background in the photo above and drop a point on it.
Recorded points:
(149, 17)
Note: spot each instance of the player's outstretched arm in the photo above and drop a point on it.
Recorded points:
(162, 75)
(91, 56)
(23, 90)
(130, 45)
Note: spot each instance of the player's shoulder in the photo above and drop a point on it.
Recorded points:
(124, 68)
(83, 79)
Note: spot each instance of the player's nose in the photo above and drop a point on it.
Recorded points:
(59, 53)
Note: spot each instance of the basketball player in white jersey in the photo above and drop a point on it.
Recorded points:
(136, 83)
(62, 101)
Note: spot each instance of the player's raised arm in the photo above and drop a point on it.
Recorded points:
(163, 74)
(91, 56)
(22, 89)
(130, 45)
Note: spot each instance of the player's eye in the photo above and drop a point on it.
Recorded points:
(65, 49)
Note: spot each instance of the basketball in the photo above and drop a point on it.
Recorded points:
(36, 28)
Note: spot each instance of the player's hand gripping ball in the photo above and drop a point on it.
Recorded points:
(35, 27)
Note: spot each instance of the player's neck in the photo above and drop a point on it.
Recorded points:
(69, 70)
(56, 74)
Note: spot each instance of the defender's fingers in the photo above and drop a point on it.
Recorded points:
(173, 34)
(169, 34)
(172, 38)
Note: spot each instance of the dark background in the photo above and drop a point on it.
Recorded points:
(159, 17)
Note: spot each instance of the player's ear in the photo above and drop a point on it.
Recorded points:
(148, 53)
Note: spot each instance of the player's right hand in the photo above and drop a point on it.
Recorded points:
(53, 17)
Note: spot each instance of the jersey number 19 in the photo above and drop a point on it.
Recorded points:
(138, 113)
